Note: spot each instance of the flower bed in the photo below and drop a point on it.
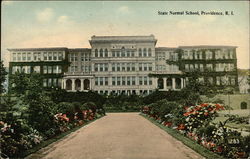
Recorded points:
(18, 137)
(195, 122)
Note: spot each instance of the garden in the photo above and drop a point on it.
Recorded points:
(32, 117)
(196, 122)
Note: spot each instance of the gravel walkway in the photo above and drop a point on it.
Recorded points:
(118, 136)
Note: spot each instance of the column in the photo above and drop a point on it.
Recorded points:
(173, 83)
(63, 83)
(182, 83)
(73, 84)
(165, 83)
(82, 84)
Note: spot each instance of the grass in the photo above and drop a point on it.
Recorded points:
(54, 139)
(186, 141)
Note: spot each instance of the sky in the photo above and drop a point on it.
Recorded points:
(30, 24)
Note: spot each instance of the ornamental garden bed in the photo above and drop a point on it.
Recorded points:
(19, 139)
(194, 127)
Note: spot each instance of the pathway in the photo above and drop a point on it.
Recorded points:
(118, 136)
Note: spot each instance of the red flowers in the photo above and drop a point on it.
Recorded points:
(181, 127)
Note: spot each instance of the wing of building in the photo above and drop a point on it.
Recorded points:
(127, 65)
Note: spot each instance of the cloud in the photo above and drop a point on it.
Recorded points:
(7, 2)
(45, 15)
(63, 19)
(123, 9)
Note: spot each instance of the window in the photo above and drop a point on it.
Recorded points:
(209, 67)
(49, 69)
(50, 56)
(101, 53)
(150, 66)
(128, 66)
(201, 67)
(132, 53)
(106, 52)
(118, 54)
(191, 66)
(118, 67)
(54, 69)
(113, 67)
(123, 66)
(145, 66)
(44, 82)
(140, 81)
(45, 69)
(144, 52)
(60, 56)
(123, 80)
(118, 81)
(133, 66)
(106, 66)
(113, 53)
(96, 81)
(36, 69)
(101, 80)
(128, 53)
(49, 82)
(19, 57)
(35, 56)
(59, 84)
(96, 53)
(38, 56)
(149, 52)
(45, 56)
(140, 66)
(101, 67)
(133, 80)
(123, 52)
(128, 81)
(218, 80)
(55, 82)
(145, 80)
(28, 69)
(140, 52)
(96, 67)
(150, 81)
(24, 56)
(187, 67)
(106, 81)
(113, 81)
(14, 56)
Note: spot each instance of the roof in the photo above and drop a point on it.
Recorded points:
(150, 38)
(165, 48)
(39, 49)
(79, 49)
(207, 47)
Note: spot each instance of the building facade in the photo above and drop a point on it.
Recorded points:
(126, 65)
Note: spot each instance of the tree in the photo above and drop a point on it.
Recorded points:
(3, 74)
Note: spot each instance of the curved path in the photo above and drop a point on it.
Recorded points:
(118, 136)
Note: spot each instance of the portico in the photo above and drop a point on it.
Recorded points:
(77, 83)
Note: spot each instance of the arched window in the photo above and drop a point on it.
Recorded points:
(149, 52)
(68, 84)
(123, 52)
(243, 105)
(96, 53)
(140, 52)
(160, 83)
(169, 83)
(178, 83)
(144, 52)
(86, 84)
(106, 52)
(101, 53)
(77, 84)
